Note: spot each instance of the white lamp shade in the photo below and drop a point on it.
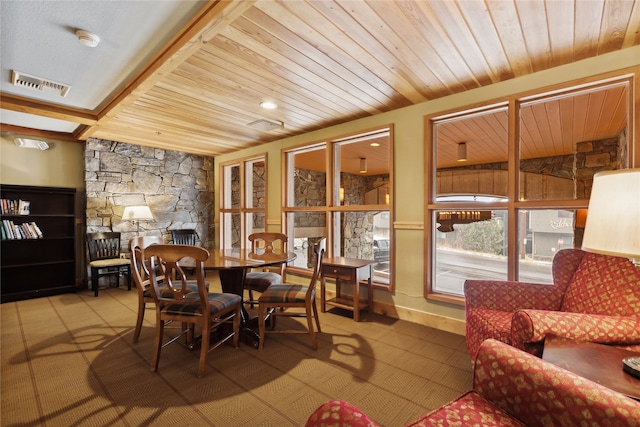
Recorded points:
(137, 213)
(613, 219)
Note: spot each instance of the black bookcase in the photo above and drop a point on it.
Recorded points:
(34, 267)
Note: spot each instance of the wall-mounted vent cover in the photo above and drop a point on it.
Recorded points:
(266, 125)
(38, 83)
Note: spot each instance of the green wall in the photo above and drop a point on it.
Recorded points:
(60, 166)
(409, 167)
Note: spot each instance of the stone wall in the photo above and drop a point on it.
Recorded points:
(356, 226)
(178, 188)
(258, 200)
(548, 178)
(596, 156)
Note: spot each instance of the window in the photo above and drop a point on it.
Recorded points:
(306, 199)
(342, 189)
(505, 198)
(243, 202)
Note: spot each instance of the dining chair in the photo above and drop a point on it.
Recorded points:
(208, 310)
(140, 272)
(184, 236)
(294, 296)
(259, 281)
(104, 258)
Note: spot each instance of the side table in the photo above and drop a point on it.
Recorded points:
(351, 270)
(597, 362)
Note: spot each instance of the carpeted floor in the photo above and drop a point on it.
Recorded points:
(68, 360)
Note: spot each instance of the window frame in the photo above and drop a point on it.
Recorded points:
(245, 188)
(514, 205)
(332, 204)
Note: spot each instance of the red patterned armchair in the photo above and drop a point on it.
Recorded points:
(510, 388)
(593, 298)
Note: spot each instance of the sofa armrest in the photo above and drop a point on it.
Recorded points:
(338, 413)
(531, 326)
(511, 295)
(537, 392)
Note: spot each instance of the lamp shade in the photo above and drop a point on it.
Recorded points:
(137, 213)
(613, 222)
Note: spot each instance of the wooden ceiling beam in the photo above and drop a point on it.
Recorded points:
(37, 133)
(45, 109)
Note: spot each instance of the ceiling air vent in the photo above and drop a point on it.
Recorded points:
(266, 125)
(38, 83)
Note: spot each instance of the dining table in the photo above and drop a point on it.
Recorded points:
(232, 266)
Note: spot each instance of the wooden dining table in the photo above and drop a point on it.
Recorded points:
(232, 266)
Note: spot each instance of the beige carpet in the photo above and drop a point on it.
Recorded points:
(68, 360)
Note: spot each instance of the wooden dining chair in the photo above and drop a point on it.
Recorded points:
(208, 310)
(260, 280)
(184, 236)
(140, 273)
(104, 258)
(293, 296)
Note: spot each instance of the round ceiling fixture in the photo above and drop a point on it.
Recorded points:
(267, 105)
(87, 38)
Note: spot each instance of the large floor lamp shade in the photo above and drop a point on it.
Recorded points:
(613, 219)
(137, 214)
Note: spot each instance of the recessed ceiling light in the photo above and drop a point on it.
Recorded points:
(268, 105)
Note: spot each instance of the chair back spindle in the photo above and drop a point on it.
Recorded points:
(185, 236)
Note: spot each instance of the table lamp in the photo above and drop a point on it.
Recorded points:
(613, 219)
(613, 224)
(136, 214)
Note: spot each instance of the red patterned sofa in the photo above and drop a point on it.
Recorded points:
(510, 388)
(593, 298)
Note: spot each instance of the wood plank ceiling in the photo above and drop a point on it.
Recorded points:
(328, 62)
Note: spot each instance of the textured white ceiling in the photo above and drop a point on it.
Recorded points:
(38, 38)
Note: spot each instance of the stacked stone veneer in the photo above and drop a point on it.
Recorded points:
(259, 198)
(356, 226)
(178, 187)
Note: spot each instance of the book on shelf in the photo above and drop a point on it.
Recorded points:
(37, 230)
(16, 231)
(8, 229)
(15, 207)
(24, 207)
(26, 230)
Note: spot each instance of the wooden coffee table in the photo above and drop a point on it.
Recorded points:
(597, 362)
